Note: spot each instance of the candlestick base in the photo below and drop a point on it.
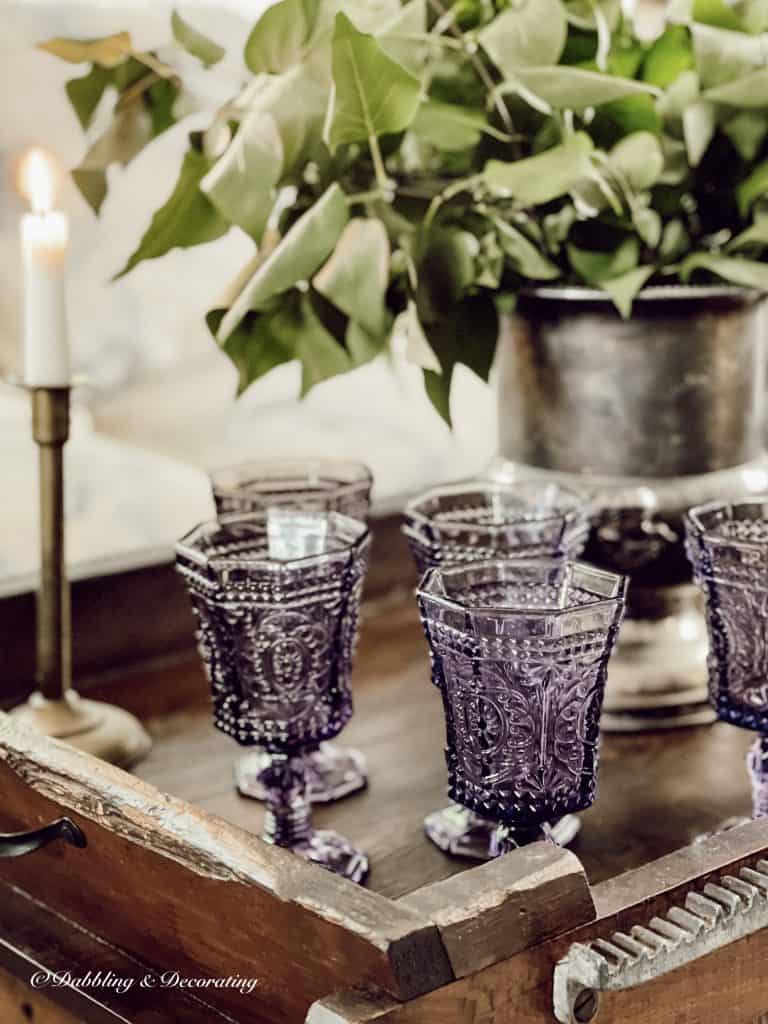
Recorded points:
(103, 730)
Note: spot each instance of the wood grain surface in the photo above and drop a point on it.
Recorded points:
(726, 987)
(656, 792)
(183, 890)
(500, 908)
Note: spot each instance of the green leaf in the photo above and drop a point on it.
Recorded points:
(752, 188)
(716, 13)
(699, 125)
(308, 242)
(417, 349)
(755, 235)
(297, 100)
(278, 39)
(92, 185)
(587, 14)
(530, 34)
(241, 184)
(362, 346)
(159, 101)
(108, 51)
(320, 354)
(374, 95)
(598, 267)
(356, 274)
(623, 117)
(576, 89)
(675, 241)
(194, 42)
(447, 269)
(187, 218)
(679, 96)
(524, 256)
(451, 127)
(670, 55)
(638, 159)
(468, 334)
(754, 15)
(750, 91)
(538, 179)
(129, 132)
(747, 273)
(438, 389)
(259, 343)
(648, 226)
(403, 37)
(722, 56)
(623, 289)
(85, 93)
(747, 130)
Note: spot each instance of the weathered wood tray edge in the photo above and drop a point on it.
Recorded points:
(153, 861)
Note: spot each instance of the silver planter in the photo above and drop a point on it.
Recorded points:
(650, 416)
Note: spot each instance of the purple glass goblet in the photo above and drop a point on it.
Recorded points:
(477, 521)
(519, 651)
(309, 484)
(727, 544)
(276, 595)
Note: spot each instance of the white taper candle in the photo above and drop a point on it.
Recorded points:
(44, 237)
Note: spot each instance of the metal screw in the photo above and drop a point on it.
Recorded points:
(585, 1005)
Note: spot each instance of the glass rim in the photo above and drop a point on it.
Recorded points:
(696, 525)
(618, 582)
(419, 520)
(301, 467)
(221, 563)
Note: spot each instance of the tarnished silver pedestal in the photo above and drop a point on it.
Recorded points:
(649, 416)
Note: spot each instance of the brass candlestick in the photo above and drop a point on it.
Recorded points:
(55, 709)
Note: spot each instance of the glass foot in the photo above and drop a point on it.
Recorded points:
(462, 833)
(331, 773)
(334, 853)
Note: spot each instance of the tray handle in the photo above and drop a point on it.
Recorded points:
(17, 844)
(724, 911)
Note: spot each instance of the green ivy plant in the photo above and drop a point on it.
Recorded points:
(420, 163)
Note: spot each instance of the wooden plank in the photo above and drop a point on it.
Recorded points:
(53, 970)
(182, 889)
(727, 986)
(500, 908)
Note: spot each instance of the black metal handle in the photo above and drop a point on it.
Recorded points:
(17, 844)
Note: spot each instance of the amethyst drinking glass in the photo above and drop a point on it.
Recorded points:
(276, 596)
(727, 544)
(519, 651)
(309, 484)
(474, 522)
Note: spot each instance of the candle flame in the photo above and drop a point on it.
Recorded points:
(37, 177)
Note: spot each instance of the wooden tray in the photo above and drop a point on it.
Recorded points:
(174, 876)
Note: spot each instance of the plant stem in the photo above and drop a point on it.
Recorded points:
(378, 165)
(365, 197)
(482, 74)
(443, 197)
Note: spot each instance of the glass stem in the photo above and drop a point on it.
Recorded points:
(288, 816)
(507, 838)
(757, 763)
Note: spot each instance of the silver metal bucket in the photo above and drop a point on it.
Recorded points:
(650, 416)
